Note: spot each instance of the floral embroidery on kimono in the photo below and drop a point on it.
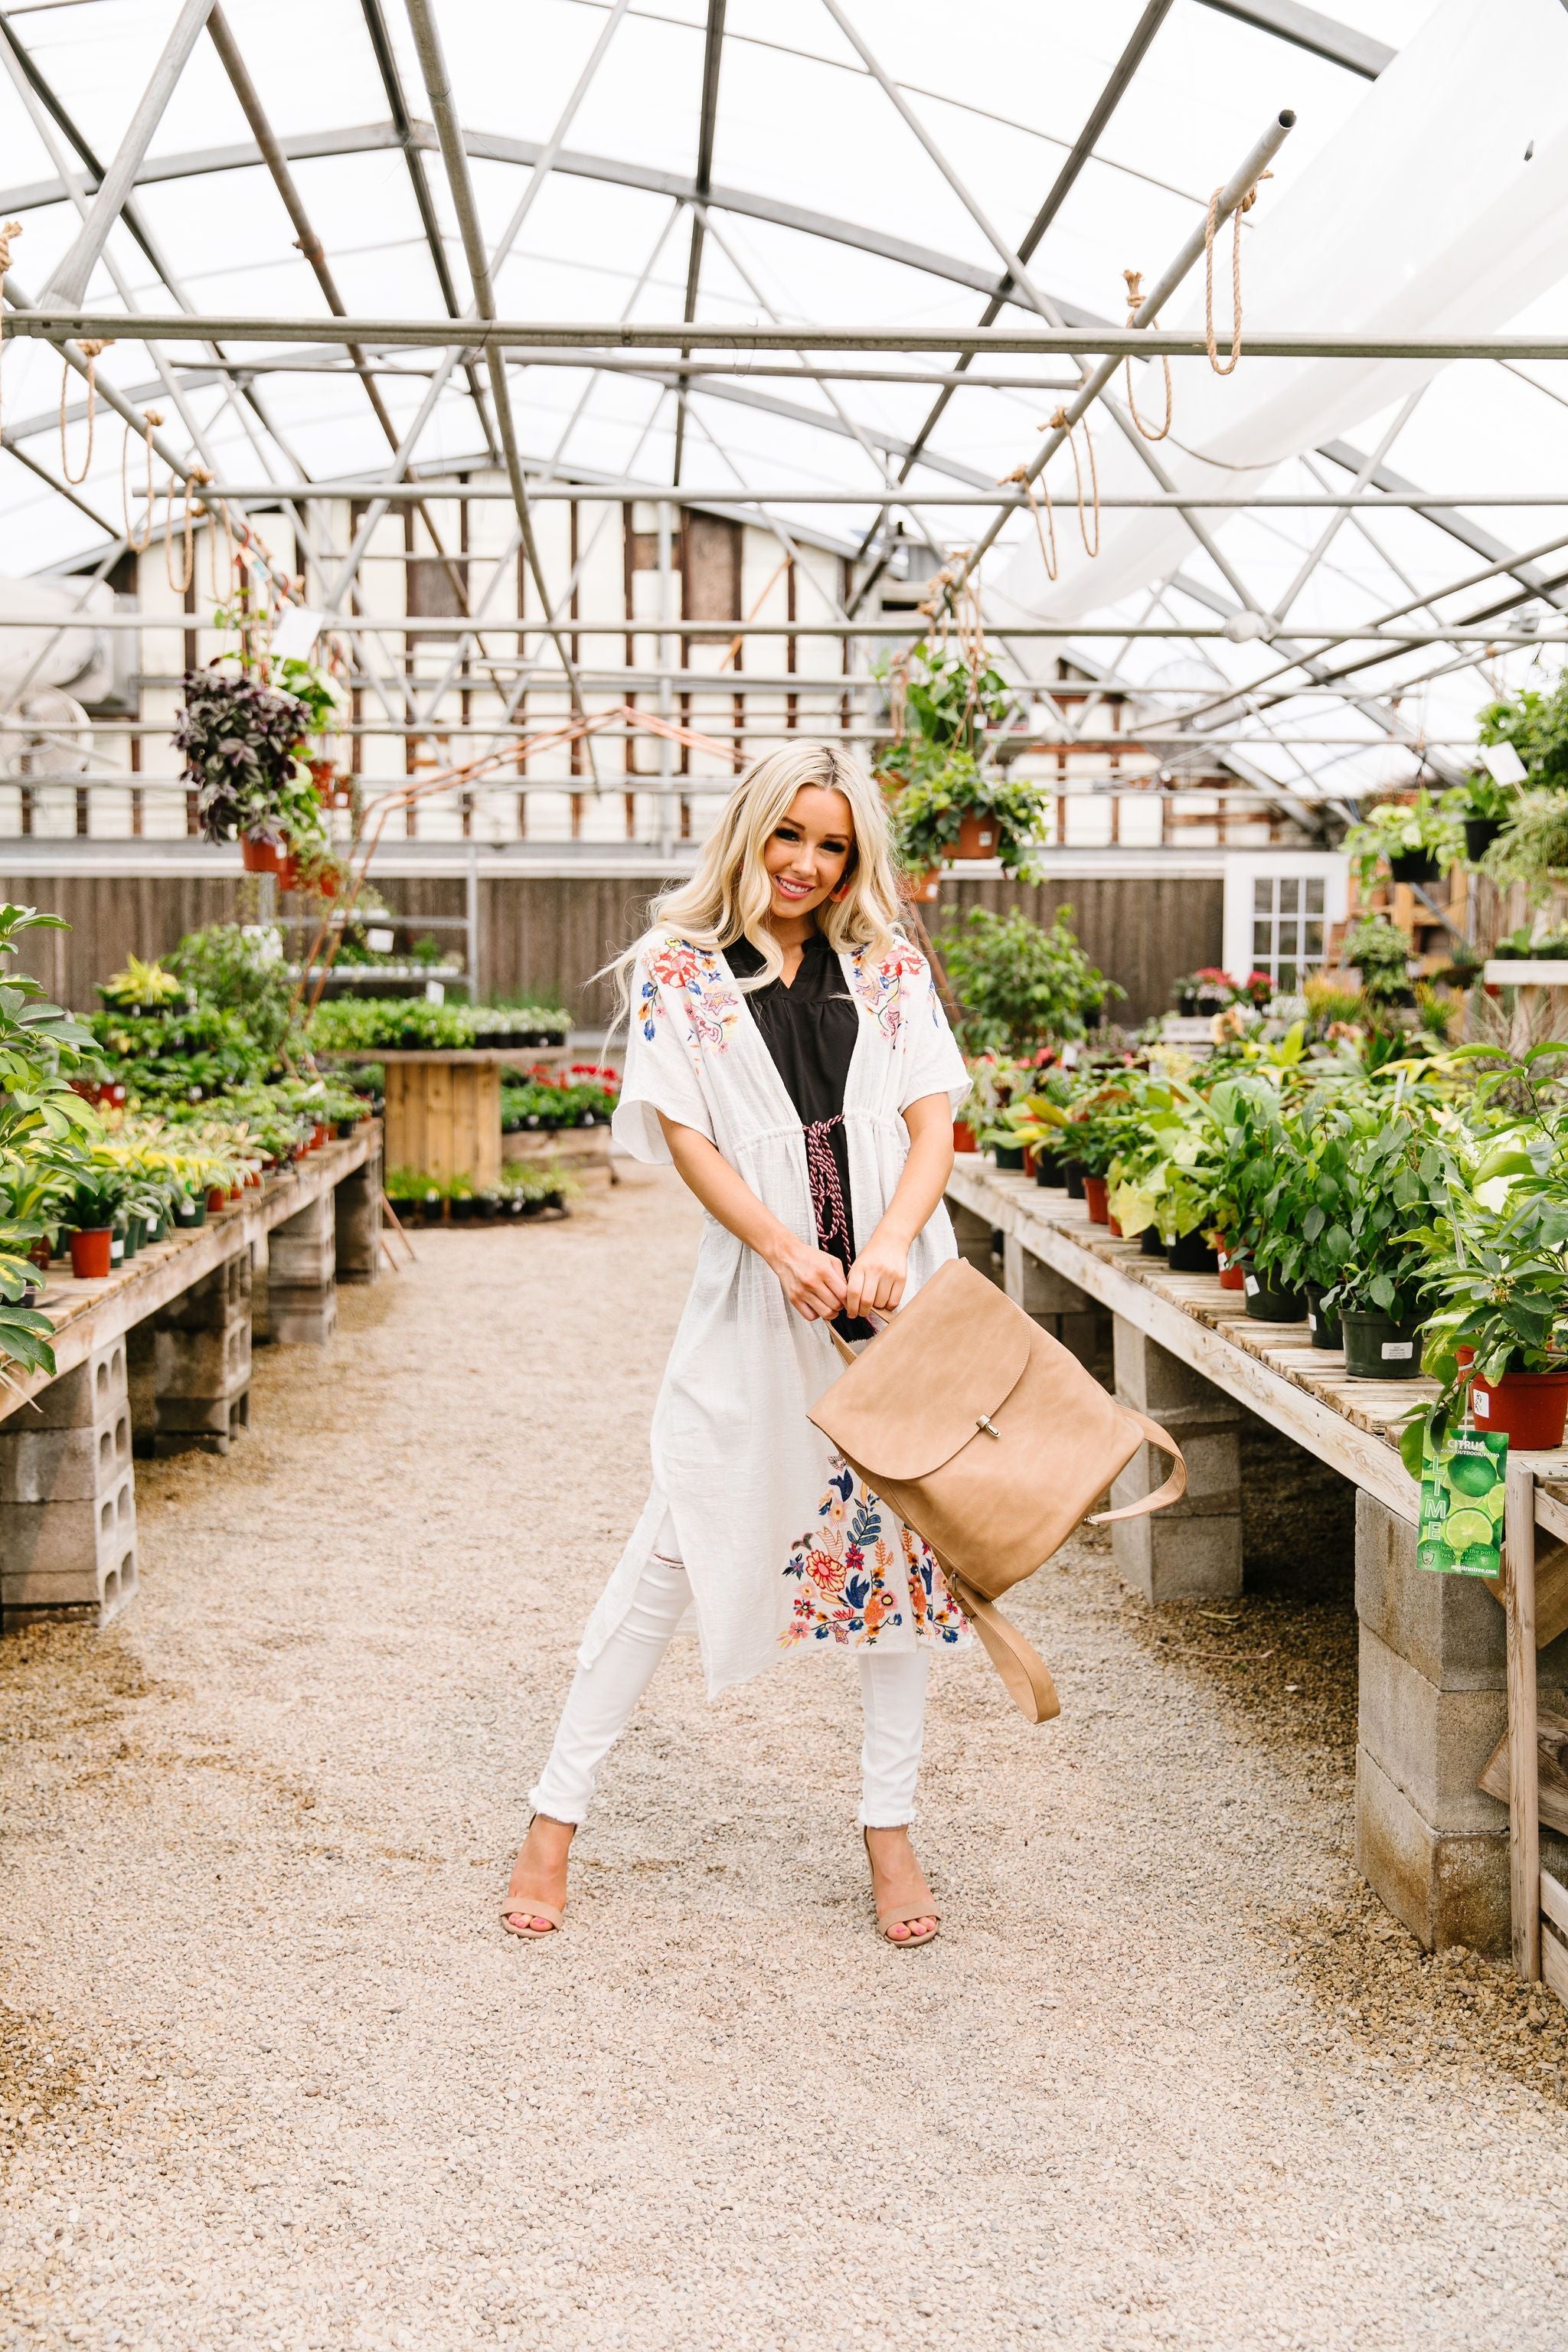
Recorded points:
(880, 986)
(712, 1000)
(842, 1568)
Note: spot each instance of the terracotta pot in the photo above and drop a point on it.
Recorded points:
(40, 1254)
(978, 836)
(234, 1191)
(217, 1196)
(923, 887)
(964, 1135)
(1115, 1225)
(259, 856)
(1232, 1270)
(1099, 1206)
(287, 872)
(1529, 1409)
(93, 1254)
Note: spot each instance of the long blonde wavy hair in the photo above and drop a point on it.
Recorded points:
(729, 896)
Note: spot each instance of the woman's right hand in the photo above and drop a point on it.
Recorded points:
(811, 1280)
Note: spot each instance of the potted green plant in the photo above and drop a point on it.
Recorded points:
(1397, 1173)
(1498, 1287)
(954, 810)
(1021, 986)
(1213, 989)
(1481, 808)
(241, 741)
(1379, 951)
(1416, 840)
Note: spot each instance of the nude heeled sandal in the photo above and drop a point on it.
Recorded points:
(893, 1916)
(527, 1906)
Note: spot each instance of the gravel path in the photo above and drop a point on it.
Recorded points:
(271, 2076)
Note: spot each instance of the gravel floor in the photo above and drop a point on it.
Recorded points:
(271, 2076)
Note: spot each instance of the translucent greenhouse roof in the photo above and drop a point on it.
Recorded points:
(865, 166)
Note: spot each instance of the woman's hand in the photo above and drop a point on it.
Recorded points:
(877, 1277)
(811, 1280)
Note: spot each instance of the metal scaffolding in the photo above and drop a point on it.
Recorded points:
(451, 631)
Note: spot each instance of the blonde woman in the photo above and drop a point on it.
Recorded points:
(788, 1051)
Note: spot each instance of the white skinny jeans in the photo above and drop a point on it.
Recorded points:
(604, 1696)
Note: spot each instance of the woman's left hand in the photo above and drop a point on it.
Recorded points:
(877, 1277)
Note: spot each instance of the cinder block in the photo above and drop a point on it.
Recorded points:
(304, 1317)
(66, 1547)
(203, 1363)
(1038, 1290)
(295, 1258)
(141, 1381)
(1450, 1628)
(1433, 1743)
(976, 1240)
(62, 1465)
(357, 1218)
(1086, 1335)
(89, 1393)
(1167, 1558)
(1449, 1888)
(215, 1301)
(201, 1424)
(1153, 1380)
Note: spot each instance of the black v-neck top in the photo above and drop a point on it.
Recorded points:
(810, 1030)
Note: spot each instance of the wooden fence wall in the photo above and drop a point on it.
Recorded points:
(545, 937)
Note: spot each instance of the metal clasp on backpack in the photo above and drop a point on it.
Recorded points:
(986, 1422)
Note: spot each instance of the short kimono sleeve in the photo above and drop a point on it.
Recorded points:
(660, 1070)
(932, 1063)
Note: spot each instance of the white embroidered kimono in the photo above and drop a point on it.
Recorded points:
(783, 1544)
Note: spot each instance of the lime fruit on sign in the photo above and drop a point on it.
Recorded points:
(1472, 1474)
(1467, 1527)
(1496, 1503)
(1433, 1554)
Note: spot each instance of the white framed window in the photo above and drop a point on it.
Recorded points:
(1279, 910)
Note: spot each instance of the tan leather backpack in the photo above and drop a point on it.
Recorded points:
(991, 1441)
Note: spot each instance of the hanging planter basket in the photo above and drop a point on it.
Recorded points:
(1417, 867)
(1480, 832)
(922, 889)
(259, 856)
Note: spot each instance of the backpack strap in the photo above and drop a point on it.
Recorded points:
(1024, 1671)
(1175, 1488)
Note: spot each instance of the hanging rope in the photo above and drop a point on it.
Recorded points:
(11, 230)
(197, 475)
(224, 596)
(1061, 423)
(91, 347)
(1244, 206)
(150, 419)
(1049, 557)
(1134, 304)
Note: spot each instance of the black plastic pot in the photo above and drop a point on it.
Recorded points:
(1148, 1242)
(1072, 1177)
(1480, 832)
(1326, 1332)
(1190, 1254)
(1267, 1304)
(1379, 1349)
(1186, 1002)
(1048, 1171)
(1009, 1155)
(1419, 866)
